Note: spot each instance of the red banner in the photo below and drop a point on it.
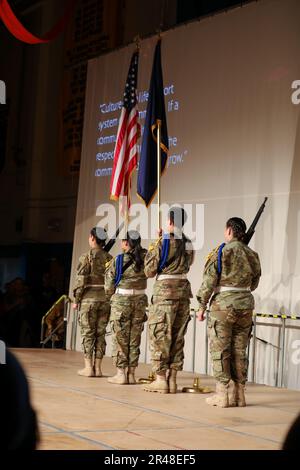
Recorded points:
(17, 29)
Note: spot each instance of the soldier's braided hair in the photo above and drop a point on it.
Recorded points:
(134, 241)
(238, 227)
(99, 234)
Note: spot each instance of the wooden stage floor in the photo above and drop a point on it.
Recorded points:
(89, 413)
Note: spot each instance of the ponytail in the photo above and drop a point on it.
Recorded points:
(134, 241)
(180, 244)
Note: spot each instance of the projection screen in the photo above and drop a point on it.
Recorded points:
(234, 136)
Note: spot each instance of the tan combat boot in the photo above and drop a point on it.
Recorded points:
(238, 396)
(88, 370)
(220, 398)
(131, 376)
(120, 378)
(172, 381)
(98, 371)
(159, 385)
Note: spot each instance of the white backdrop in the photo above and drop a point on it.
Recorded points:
(235, 137)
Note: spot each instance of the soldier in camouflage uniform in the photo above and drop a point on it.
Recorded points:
(231, 272)
(170, 305)
(125, 280)
(92, 302)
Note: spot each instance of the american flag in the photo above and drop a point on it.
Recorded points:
(126, 153)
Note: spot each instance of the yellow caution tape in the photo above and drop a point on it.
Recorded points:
(268, 315)
(276, 315)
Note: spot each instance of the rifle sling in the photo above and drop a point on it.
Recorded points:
(127, 265)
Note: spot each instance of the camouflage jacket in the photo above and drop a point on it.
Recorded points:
(170, 288)
(240, 268)
(90, 273)
(131, 279)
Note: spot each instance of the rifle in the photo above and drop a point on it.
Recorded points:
(250, 232)
(108, 246)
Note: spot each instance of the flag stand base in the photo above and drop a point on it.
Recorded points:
(196, 387)
(148, 380)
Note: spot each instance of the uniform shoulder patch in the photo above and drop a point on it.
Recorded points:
(83, 260)
(83, 257)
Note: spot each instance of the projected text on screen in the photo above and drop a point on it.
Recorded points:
(108, 122)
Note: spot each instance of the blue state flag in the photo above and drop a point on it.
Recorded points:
(147, 174)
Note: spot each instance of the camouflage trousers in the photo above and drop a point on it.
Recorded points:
(93, 319)
(168, 321)
(128, 315)
(229, 333)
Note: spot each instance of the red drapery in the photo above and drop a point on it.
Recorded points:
(17, 29)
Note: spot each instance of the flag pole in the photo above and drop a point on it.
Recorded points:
(126, 220)
(158, 171)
